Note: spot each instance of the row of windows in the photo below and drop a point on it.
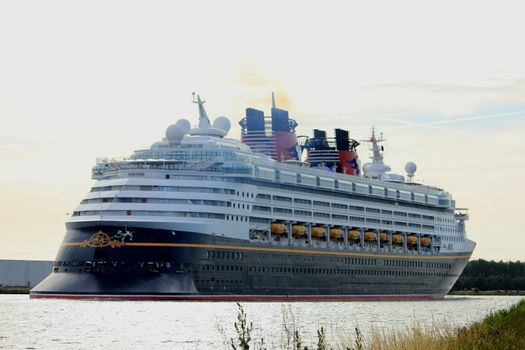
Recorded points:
(233, 255)
(322, 271)
(343, 206)
(438, 265)
(158, 201)
(338, 217)
(221, 254)
(154, 266)
(360, 261)
(225, 268)
(236, 218)
(359, 188)
(162, 188)
(293, 190)
(453, 239)
(149, 213)
(403, 263)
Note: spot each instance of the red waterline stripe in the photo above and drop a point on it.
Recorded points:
(242, 297)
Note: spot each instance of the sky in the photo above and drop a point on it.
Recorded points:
(443, 80)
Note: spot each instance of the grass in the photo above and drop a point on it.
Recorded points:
(501, 330)
(487, 292)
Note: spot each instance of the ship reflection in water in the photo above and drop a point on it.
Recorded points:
(65, 324)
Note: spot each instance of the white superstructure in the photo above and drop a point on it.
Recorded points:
(200, 180)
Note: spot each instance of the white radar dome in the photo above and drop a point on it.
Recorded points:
(222, 123)
(175, 133)
(410, 168)
(184, 124)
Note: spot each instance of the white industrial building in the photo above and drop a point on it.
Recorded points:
(26, 273)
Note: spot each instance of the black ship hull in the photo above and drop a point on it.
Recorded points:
(139, 263)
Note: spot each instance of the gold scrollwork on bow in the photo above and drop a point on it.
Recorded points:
(99, 240)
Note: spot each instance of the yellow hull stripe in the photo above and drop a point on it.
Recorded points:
(278, 250)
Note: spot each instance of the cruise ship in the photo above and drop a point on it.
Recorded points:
(274, 216)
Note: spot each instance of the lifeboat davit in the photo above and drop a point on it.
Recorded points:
(383, 236)
(277, 228)
(425, 241)
(411, 240)
(298, 230)
(318, 231)
(354, 235)
(397, 238)
(370, 236)
(336, 233)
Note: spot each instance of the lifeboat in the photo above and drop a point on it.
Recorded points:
(277, 228)
(317, 231)
(354, 235)
(411, 240)
(298, 230)
(397, 238)
(336, 233)
(383, 236)
(370, 236)
(425, 241)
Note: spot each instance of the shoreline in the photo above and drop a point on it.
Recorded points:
(25, 290)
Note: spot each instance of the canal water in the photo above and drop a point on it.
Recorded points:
(74, 324)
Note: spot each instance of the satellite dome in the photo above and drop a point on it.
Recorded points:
(410, 168)
(184, 124)
(222, 123)
(175, 133)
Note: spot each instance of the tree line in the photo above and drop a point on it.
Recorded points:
(491, 275)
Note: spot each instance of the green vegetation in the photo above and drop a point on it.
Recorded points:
(14, 290)
(502, 330)
(482, 275)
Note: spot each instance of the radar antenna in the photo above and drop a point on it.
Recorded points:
(204, 121)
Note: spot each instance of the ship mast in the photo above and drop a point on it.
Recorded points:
(204, 121)
(376, 152)
(377, 168)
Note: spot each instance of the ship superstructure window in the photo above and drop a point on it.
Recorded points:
(352, 207)
(306, 202)
(340, 206)
(282, 199)
(263, 197)
(303, 213)
(321, 215)
(261, 208)
(322, 204)
(282, 211)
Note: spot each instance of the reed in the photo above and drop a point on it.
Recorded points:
(501, 330)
